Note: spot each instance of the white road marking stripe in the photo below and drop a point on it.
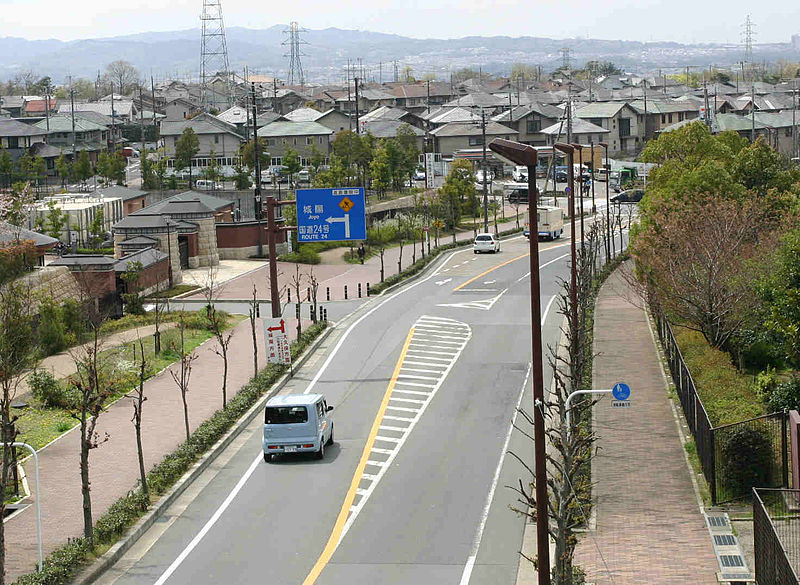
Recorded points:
(409, 400)
(387, 439)
(375, 463)
(369, 476)
(422, 351)
(403, 409)
(417, 392)
(420, 370)
(416, 384)
(415, 377)
(439, 319)
(431, 345)
(439, 338)
(388, 428)
(424, 364)
(427, 357)
(361, 492)
(383, 452)
(402, 418)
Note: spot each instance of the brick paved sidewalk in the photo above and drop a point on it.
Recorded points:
(113, 465)
(649, 526)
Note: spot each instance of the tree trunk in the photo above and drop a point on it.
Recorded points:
(185, 412)
(140, 452)
(85, 484)
(255, 342)
(381, 262)
(224, 376)
(400, 260)
(6, 437)
(413, 250)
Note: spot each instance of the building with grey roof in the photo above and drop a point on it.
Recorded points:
(463, 135)
(305, 138)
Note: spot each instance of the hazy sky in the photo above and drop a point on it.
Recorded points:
(644, 20)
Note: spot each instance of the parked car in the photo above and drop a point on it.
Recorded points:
(206, 185)
(486, 243)
(479, 177)
(520, 174)
(303, 176)
(419, 175)
(297, 423)
(561, 175)
(629, 196)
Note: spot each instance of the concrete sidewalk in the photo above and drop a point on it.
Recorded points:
(113, 465)
(649, 526)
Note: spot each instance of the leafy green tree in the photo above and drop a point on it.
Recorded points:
(760, 168)
(336, 176)
(781, 294)
(6, 167)
(56, 221)
(148, 170)
(242, 177)
(212, 171)
(131, 298)
(381, 171)
(97, 228)
(349, 149)
(83, 167)
(186, 148)
(317, 158)
(64, 169)
(457, 192)
(409, 152)
(246, 152)
(291, 160)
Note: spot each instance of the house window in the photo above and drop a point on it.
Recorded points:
(294, 141)
(276, 161)
(596, 121)
(320, 138)
(270, 142)
(309, 140)
(216, 138)
(624, 127)
(669, 117)
(475, 140)
(533, 126)
(663, 119)
(680, 116)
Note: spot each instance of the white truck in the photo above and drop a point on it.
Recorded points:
(550, 222)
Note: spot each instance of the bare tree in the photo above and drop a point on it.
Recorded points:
(296, 282)
(217, 324)
(122, 74)
(314, 286)
(159, 307)
(17, 348)
(181, 377)
(93, 385)
(138, 399)
(253, 313)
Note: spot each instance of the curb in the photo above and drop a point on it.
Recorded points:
(112, 555)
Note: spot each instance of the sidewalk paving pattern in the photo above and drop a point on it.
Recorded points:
(649, 527)
(113, 465)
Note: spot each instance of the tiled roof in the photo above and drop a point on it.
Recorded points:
(388, 128)
(62, 123)
(578, 127)
(600, 110)
(124, 193)
(146, 257)
(304, 115)
(471, 129)
(11, 233)
(38, 106)
(280, 129)
(201, 124)
(12, 127)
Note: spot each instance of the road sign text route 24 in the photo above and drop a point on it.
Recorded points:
(331, 215)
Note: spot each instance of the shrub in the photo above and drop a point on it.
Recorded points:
(305, 255)
(61, 565)
(785, 395)
(49, 391)
(94, 251)
(745, 459)
(51, 329)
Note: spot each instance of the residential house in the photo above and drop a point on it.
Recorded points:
(449, 115)
(783, 130)
(13, 104)
(583, 132)
(10, 234)
(464, 135)
(86, 135)
(17, 137)
(123, 111)
(179, 109)
(333, 119)
(491, 103)
(236, 116)
(305, 138)
(217, 139)
(42, 107)
(390, 113)
(529, 121)
(660, 114)
(624, 124)
(388, 129)
(415, 97)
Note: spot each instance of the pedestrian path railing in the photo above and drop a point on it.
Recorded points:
(776, 536)
(734, 457)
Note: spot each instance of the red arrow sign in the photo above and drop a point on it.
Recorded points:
(281, 329)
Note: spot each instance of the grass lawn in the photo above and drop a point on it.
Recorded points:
(38, 425)
(176, 290)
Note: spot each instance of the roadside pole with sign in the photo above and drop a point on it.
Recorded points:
(278, 350)
(430, 171)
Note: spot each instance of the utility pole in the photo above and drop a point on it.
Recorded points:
(113, 121)
(705, 97)
(141, 118)
(380, 72)
(153, 99)
(257, 167)
(752, 108)
(794, 121)
(47, 108)
(349, 100)
(358, 126)
(485, 173)
(72, 115)
(428, 100)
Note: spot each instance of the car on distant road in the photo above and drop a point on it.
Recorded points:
(629, 196)
(419, 175)
(486, 243)
(520, 174)
(479, 177)
(297, 423)
(303, 176)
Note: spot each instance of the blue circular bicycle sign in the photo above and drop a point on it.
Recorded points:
(621, 391)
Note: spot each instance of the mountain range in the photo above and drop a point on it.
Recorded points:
(326, 52)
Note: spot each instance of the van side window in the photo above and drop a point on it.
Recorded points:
(320, 410)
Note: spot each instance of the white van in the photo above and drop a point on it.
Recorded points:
(297, 423)
(206, 185)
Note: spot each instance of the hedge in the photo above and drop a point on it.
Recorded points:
(63, 563)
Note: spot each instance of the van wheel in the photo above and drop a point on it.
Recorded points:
(321, 453)
(330, 439)
(268, 457)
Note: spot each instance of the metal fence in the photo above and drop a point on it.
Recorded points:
(733, 457)
(776, 536)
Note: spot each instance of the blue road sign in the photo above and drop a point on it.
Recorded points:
(331, 215)
(621, 391)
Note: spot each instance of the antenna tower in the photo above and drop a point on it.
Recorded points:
(296, 74)
(213, 52)
(565, 58)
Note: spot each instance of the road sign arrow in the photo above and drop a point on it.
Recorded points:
(445, 281)
(345, 220)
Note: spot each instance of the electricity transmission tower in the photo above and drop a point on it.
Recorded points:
(565, 58)
(748, 35)
(213, 53)
(295, 65)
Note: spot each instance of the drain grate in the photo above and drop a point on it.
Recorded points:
(724, 540)
(717, 521)
(731, 561)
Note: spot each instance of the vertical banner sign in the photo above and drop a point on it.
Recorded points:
(430, 171)
(278, 351)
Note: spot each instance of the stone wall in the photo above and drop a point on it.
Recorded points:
(54, 282)
(207, 242)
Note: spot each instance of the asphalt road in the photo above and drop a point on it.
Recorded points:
(425, 384)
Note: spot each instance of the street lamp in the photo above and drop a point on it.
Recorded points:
(523, 154)
(579, 148)
(573, 286)
(607, 166)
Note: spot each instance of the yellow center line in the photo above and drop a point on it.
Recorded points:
(338, 527)
(485, 272)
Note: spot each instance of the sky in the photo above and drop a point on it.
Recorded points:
(685, 21)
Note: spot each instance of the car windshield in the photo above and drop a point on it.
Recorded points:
(284, 415)
(483, 239)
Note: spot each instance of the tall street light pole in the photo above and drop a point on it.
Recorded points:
(485, 172)
(579, 148)
(257, 168)
(607, 166)
(573, 284)
(594, 173)
(523, 154)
